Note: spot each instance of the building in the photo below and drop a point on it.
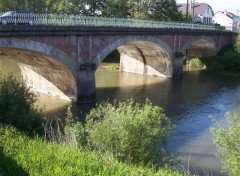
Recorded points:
(236, 24)
(227, 19)
(200, 12)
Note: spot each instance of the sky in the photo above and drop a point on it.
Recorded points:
(220, 5)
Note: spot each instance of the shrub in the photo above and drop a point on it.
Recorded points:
(196, 63)
(17, 105)
(128, 131)
(113, 66)
(228, 143)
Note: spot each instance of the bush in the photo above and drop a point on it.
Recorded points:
(17, 106)
(113, 67)
(128, 131)
(196, 63)
(228, 143)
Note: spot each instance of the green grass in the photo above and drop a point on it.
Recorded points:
(22, 155)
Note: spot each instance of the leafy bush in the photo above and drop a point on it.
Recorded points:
(128, 131)
(228, 142)
(21, 155)
(113, 66)
(17, 105)
(196, 63)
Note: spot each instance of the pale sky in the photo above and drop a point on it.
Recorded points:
(220, 5)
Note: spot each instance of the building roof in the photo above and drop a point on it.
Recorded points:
(228, 14)
(199, 8)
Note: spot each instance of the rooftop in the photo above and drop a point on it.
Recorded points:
(199, 8)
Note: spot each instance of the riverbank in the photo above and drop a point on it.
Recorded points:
(22, 155)
(227, 62)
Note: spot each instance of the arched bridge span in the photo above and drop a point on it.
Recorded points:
(67, 57)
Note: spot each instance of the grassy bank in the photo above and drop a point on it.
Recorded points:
(22, 155)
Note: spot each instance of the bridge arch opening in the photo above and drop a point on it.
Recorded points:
(41, 72)
(142, 55)
(200, 47)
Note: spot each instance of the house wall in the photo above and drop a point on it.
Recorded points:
(223, 20)
(207, 16)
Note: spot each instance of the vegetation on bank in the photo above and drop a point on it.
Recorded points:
(113, 67)
(22, 155)
(125, 138)
(128, 131)
(227, 140)
(227, 61)
(17, 106)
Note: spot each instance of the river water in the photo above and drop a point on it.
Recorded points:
(189, 102)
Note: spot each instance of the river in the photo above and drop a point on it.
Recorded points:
(189, 102)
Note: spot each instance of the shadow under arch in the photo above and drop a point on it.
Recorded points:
(140, 44)
(43, 68)
(210, 44)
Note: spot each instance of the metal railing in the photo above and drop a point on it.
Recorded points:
(80, 20)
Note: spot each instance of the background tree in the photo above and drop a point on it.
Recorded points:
(28, 5)
(138, 9)
(115, 8)
(164, 10)
(160, 10)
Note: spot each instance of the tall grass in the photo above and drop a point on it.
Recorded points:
(21, 155)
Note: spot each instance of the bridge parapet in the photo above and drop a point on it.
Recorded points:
(80, 20)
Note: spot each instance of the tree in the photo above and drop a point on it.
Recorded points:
(138, 8)
(28, 5)
(164, 10)
(64, 6)
(115, 8)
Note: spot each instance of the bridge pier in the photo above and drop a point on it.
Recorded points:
(86, 88)
(177, 65)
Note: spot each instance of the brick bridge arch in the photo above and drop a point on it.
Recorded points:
(210, 46)
(147, 55)
(44, 68)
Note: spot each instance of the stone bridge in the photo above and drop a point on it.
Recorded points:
(62, 60)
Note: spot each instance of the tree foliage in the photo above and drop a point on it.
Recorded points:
(28, 5)
(161, 10)
(164, 10)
